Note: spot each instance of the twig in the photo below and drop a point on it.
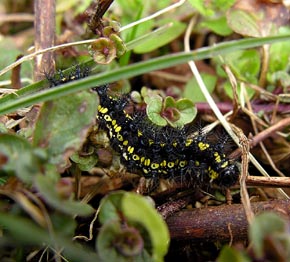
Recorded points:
(44, 27)
(223, 223)
(261, 181)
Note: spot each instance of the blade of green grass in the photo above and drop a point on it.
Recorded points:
(13, 102)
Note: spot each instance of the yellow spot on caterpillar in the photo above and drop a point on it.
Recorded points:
(120, 138)
(117, 128)
(203, 146)
(147, 162)
(217, 157)
(142, 159)
(225, 164)
(150, 142)
(170, 164)
(139, 133)
(196, 163)
(114, 122)
(135, 157)
(130, 149)
(188, 142)
(163, 163)
(182, 163)
(107, 118)
(145, 171)
(103, 110)
(212, 174)
(154, 165)
(162, 144)
(125, 142)
(174, 144)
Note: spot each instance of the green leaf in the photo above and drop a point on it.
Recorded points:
(85, 162)
(63, 224)
(154, 109)
(245, 64)
(178, 113)
(230, 254)
(218, 25)
(283, 78)
(168, 36)
(244, 23)
(109, 207)
(140, 214)
(47, 188)
(192, 90)
(279, 54)
(187, 112)
(9, 53)
(223, 5)
(146, 36)
(117, 242)
(139, 210)
(63, 124)
(270, 227)
(20, 158)
(211, 8)
(201, 7)
(229, 90)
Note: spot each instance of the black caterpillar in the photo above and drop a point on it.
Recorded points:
(162, 152)
(61, 78)
(154, 151)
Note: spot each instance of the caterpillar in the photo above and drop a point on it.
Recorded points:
(153, 151)
(162, 152)
(60, 77)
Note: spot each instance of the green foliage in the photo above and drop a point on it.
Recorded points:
(244, 23)
(192, 90)
(131, 229)
(154, 109)
(245, 65)
(47, 186)
(218, 25)
(20, 158)
(150, 44)
(279, 62)
(60, 138)
(230, 254)
(270, 230)
(214, 13)
(85, 162)
(9, 51)
(165, 110)
(270, 241)
(24, 231)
